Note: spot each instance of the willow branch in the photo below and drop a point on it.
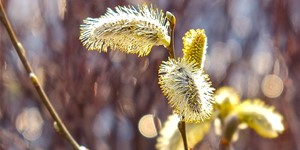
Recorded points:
(44, 98)
(181, 124)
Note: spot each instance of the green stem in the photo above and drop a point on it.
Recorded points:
(44, 98)
(181, 127)
(230, 126)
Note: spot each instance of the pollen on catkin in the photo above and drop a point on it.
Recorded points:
(128, 29)
(194, 46)
(260, 117)
(187, 89)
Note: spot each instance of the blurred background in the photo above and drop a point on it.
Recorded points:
(108, 100)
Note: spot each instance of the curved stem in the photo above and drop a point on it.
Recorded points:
(44, 98)
(172, 21)
(181, 127)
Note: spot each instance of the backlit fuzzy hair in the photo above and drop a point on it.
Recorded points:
(194, 46)
(128, 29)
(187, 89)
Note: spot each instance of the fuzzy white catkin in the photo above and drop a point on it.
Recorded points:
(128, 29)
(188, 90)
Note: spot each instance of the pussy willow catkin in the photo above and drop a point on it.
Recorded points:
(128, 29)
(187, 89)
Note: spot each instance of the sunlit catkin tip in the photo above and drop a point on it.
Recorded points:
(128, 29)
(194, 46)
(262, 118)
(226, 100)
(170, 137)
(187, 89)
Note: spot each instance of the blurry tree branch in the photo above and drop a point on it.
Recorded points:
(21, 53)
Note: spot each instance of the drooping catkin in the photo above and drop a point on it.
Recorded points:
(260, 117)
(128, 29)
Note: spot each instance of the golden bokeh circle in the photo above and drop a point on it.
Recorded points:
(272, 86)
(147, 126)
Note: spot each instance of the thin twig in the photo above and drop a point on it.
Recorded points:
(21, 53)
(181, 127)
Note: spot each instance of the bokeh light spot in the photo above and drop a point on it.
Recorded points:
(147, 126)
(29, 123)
(262, 62)
(272, 86)
(218, 126)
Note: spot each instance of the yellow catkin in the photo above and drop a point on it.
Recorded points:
(260, 117)
(226, 100)
(194, 46)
